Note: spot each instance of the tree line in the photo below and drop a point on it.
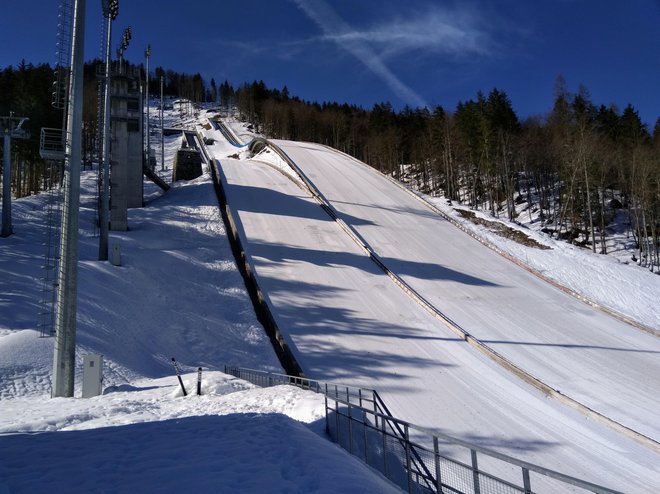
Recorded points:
(576, 167)
(26, 90)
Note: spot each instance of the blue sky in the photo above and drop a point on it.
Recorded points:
(414, 52)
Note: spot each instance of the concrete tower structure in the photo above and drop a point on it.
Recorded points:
(126, 151)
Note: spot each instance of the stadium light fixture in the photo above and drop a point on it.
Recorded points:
(110, 9)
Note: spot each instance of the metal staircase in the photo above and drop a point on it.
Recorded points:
(52, 148)
(51, 253)
(63, 54)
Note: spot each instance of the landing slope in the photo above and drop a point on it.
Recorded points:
(581, 351)
(346, 321)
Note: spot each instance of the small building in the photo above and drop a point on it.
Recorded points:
(187, 164)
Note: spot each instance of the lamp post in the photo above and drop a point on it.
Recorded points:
(110, 12)
(147, 54)
(64, 353)
(125, 40)
(162, 129)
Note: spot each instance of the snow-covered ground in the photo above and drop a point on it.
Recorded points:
(177, 293)
(148, 437)
(303, 266)
(610, 281)
(551, 335)
(187, 299)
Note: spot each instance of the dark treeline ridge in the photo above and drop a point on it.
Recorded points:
(26, 90)
(575, 167)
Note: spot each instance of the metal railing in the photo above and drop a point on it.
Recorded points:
(361, 397)
(431, 462)
(416, 459)
(227, 133)
(51, 144)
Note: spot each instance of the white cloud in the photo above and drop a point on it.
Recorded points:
(437, 30)
(334, 28)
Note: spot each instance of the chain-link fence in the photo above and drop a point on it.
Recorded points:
(418, 460)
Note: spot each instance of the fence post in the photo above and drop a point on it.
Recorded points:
(436, 454)
(408, 459)
(366, 436)
(475, 472)
(327, 424)
(382, 423)
(350, 428)
(527, 484)
(337, 423)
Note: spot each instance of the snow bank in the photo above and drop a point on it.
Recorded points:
(148, 437)
(177, 292)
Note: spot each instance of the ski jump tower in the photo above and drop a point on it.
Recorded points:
(126, 137)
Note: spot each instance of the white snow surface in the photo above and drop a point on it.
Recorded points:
(379, 338)
(177, 293)
(148, 437)
(578, 350)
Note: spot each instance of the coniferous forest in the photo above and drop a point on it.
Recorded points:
(575, 167)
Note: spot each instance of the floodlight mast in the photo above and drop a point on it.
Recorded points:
(125, 40)
(64, 353)
(147, 54)
(110, 12)
(162, 132)
(110, 9)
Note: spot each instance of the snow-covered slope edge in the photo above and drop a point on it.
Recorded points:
(177, 292)
(146, 436)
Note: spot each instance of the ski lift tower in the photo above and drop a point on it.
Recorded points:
(12, 128)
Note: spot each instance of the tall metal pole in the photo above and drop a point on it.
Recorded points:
(110, 12)
(162, 128)
(64, 354)
(147, 54)
(12, 130)
(6, 185)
